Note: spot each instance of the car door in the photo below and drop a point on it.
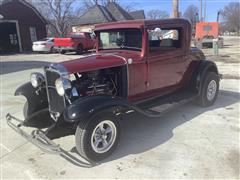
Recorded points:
(166, 58)
(88, 41)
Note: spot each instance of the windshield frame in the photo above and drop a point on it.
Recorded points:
(136, 49)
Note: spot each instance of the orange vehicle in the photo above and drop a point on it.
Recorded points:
(206, 32)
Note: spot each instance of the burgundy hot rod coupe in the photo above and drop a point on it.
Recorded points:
(143, 66)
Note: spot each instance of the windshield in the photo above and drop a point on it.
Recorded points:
(121, 39)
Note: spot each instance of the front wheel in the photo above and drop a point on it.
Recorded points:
(99, 137)
(209, 90)
(63, 51)
(52, 50)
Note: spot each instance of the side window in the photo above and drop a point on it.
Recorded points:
(207, 28)
(164, 39)
(33, 34)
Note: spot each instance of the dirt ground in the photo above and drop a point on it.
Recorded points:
(190, 142)
(228, 60)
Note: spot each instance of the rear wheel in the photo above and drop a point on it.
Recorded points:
(80, 49)
(52, 50)
(209, 90)
(99, 137)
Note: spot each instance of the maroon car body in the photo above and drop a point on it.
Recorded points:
(160, 72)
(143, 66)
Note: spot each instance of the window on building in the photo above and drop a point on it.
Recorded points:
(164, 39)
(13, 39)
(207, 28)
(33, 34)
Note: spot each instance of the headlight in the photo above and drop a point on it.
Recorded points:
(62, 85)
(36, 79)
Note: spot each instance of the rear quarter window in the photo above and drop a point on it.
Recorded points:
(164, 40)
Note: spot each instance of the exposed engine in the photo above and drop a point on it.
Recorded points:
(96, 83)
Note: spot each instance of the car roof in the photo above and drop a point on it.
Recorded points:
(139, 23)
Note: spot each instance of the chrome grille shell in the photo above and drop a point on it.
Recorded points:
(56, 103)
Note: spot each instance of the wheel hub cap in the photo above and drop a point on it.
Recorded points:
(211, 90)
(103, 136)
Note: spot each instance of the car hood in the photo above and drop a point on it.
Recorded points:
(98, 61)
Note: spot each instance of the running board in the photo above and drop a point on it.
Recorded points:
(162, 105)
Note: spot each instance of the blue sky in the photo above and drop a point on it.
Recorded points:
(211, 11)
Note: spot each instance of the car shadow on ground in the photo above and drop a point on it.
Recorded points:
(15, 66)
(140, 133)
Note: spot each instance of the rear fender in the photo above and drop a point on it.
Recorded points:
(36, 99)
(200, 73)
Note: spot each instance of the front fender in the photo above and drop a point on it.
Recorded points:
(36, 101)
(83, 108)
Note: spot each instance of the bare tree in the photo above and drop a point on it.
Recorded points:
(61, 14)
(89, 3)
(129, 6)
(157, 14)
(191, 13)
(58, 13)
(231, 17)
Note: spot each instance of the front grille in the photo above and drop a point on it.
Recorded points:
(56, 102)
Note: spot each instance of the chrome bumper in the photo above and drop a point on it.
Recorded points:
(38, 138)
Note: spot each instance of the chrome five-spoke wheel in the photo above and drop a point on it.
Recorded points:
(103, 136)
(97, 137)
(211, 90)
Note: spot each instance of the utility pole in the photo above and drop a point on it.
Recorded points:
(201, 10)
(205, 9)
(175, 12)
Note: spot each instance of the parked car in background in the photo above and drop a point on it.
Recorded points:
(78, 42)
(44, 45)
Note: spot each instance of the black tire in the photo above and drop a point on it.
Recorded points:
(63, 51)
(203, 99)
(80, 49)
(84, 133)
(25, 110)
(52, 50)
